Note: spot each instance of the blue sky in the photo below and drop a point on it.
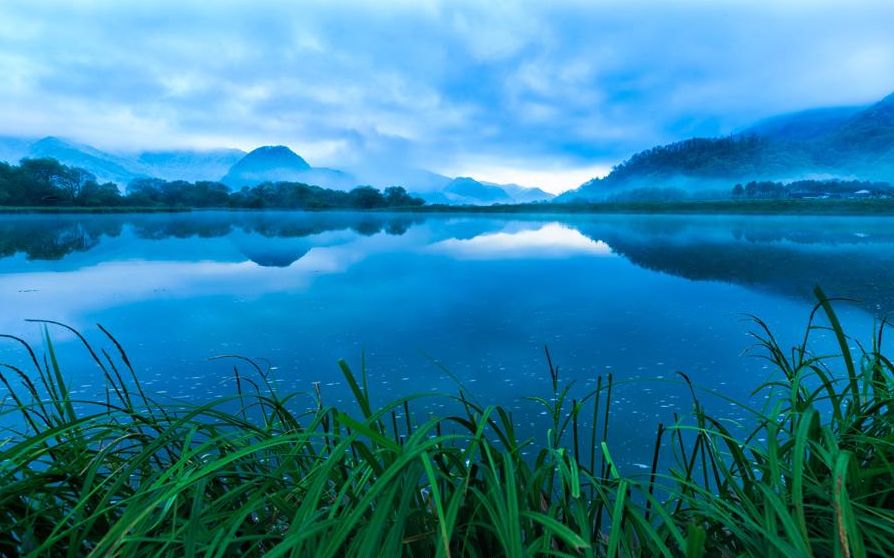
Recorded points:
(540, 93)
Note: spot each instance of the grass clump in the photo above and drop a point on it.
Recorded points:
(251, 476)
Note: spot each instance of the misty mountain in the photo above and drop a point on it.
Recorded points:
(807, 126)
(105, 166)
(468, 191)
(524, 194)
(843, 142)
(869, 132)
(280, 164)
(265, 164)
(416, 180)
(189, 165)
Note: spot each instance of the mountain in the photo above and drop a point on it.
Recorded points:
(281, 164)
(524, 194)
(268, 163)
(842, 142)
(415, 180)
(698, 164)
(870, 131)
(106, 167)
(464, 188)
(468, 191)
(806, 126)
(329, 178)
(189, 165)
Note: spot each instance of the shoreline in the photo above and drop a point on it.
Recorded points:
(82, 210)
(726, 207)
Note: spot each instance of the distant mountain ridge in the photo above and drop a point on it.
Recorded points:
(464, 190)
(106, 167)
(524, 194)
(237, 169)
(189, 165)
(840, 142)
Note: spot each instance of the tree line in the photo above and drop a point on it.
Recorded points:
(49, 183)
(812, 189)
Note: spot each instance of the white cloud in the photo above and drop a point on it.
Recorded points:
(541, 88)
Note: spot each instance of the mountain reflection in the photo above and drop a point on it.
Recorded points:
(41, 237)
(847, 256)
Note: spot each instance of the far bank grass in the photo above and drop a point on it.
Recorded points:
(811, 475)
(730, 207)
(83, 210)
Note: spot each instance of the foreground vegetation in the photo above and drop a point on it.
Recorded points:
(811, 476)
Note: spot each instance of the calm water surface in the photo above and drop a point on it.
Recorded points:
(640, 297)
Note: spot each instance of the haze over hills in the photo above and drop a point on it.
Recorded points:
(279, 163)
(237, 169)
(189, 165)
(106, 167)
(121, 169)
(844, 142)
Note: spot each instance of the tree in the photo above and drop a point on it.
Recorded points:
(72, 181)
(144, 191)
(397, 196)
(100, 195)
(38, 177)
(40, 182)
(366, 197)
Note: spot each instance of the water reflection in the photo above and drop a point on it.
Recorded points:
(638, 296)
(552, 240)
(41, 237)
(850, 257)
(52, 239)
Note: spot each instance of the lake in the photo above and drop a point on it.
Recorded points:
(437, 301)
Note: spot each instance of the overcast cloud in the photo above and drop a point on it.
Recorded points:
(543, 93)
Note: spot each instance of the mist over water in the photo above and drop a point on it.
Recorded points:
(433, 301)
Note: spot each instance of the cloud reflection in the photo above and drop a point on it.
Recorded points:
(552, 240)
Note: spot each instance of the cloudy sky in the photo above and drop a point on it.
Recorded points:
(540, 93)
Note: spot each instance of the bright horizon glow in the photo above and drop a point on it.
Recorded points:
(554, 181)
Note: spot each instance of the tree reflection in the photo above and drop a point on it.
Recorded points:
(851, 258)
(42, 237)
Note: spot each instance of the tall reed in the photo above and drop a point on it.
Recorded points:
(251, 476)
